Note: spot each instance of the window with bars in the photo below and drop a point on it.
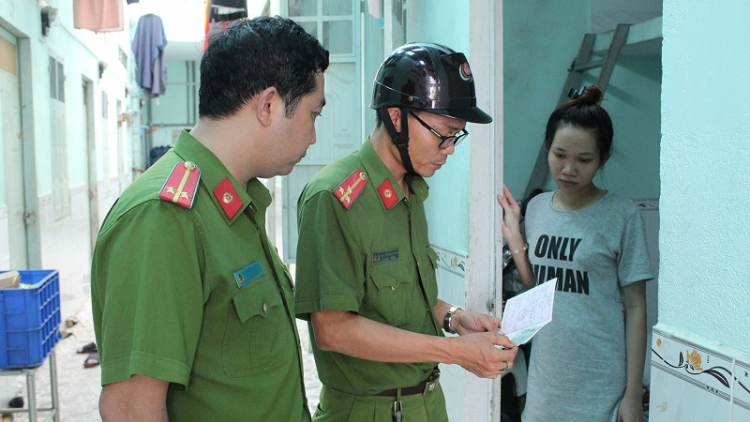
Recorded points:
(330, 21)
(56, 80)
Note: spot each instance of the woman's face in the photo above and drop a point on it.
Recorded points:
(573, 158)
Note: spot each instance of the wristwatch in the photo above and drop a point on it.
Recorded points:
(447, 319)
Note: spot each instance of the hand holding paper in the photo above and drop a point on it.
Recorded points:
(526, 313)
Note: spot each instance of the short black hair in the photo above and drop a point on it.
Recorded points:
(254, 54)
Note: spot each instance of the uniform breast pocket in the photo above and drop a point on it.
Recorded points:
(392, 295)
(257, 338)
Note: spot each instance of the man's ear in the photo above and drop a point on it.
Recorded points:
(265, 102)
(395, 114)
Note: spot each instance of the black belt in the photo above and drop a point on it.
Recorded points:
(423, 387)
(408, 391)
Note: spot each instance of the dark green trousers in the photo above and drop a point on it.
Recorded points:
(336, 406)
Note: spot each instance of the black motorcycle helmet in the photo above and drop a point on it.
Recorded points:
(429, 77)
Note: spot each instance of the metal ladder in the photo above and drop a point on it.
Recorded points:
(582, 63)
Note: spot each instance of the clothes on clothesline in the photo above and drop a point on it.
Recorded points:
(98, 15)
(148, 46)
(220, 13)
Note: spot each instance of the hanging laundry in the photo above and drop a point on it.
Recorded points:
(230, 4)
(220, 14)
(98, 15)
(148, 47)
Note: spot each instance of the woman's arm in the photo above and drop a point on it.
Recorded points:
(634, 296)
(512, 234)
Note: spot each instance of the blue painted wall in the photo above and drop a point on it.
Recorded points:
(446, 22)
(705, 229)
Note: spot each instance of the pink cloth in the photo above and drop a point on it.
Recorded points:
(98, 15)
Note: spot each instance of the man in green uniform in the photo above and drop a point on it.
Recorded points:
(193, 308)
(365, 269)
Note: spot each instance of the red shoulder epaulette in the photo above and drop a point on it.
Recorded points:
(349, 189)
(182, 184)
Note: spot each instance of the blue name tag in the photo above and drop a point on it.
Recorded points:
(248, 274)
(380, 257)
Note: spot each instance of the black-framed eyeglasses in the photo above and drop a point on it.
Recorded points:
(445, 141)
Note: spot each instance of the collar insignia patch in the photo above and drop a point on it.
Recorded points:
(387, 194)
(229, 200)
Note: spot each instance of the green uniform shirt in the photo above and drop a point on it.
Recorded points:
(167, 302)
(368, 260)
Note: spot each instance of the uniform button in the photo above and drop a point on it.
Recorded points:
(265, 308)
(393, 287)
(227, 198)
(252, 207)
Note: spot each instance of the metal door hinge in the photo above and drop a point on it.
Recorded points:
(30, 218)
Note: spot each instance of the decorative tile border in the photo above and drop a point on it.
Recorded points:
(706, 369)
(451, 261)
(45, 199)
(742, 384)
(75, 190)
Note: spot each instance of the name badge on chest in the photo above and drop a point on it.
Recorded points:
(248, 274)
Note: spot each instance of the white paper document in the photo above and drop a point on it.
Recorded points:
(526, 313)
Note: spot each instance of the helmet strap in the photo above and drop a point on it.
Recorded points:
(400, 140)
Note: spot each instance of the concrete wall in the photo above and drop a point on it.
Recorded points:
(705, 229)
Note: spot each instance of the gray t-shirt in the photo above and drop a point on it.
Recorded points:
(577, 370)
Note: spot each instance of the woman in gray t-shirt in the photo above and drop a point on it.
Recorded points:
(587, 364)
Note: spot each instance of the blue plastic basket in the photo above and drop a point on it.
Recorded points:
(29, 319)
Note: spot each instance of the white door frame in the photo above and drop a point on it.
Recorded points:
(28, 136)
(484, 266)
(93, 177)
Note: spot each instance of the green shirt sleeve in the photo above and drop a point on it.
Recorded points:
(330, 269)
(147, 273)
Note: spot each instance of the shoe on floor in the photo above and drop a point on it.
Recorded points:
(92, 360)
(89, 348)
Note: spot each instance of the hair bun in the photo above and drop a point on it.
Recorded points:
(591, 95)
